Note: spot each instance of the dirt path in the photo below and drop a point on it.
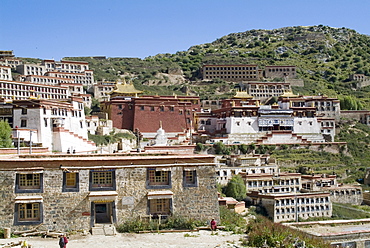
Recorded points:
(162, 240)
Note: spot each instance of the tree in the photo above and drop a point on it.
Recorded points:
(236, 188)
(5, 135)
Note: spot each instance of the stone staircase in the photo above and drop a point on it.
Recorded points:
(281, 137)
(104, 229)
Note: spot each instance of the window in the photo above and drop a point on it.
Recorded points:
(46, 122)
(102, 180)
(158, 178)
(28, 213)
(190, 178)
(142, 108)
(24, 111)
(29, 183)
(159, 207)
(23, 123)
(70, 181)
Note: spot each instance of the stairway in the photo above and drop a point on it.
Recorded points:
(104, 229)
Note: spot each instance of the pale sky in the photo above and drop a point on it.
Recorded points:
(53, 29)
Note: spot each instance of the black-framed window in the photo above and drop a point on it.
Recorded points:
(29, 183)
(28, 213)
(190, 178)
(71, 182)
(158, 178)
(23, 123)
(161, 206)
(101, 180)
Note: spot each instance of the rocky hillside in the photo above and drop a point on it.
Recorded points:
(325, 57)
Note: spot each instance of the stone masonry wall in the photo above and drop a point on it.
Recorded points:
(72, 210)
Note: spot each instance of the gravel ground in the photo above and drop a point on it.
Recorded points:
(159, 240)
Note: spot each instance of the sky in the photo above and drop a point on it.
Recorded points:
(53, 29)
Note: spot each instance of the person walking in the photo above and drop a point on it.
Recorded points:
(65, 240)
(61, 241)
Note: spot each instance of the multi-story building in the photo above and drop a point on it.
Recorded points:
(31, 69)
(64, 192)
(244, 165)
(103, 89)
(85, 78)
(58, 125)
(293, 206)
(273, 182)
(12, 62)
(265, 90)
(44, 80)
(66, 66)
(234, 73)
(147, 113)
(340, 193)
(326, 107)
(5, 73)
(6, 54)
(74, 89)
(280, 71)
(243, 120)
(24, 90)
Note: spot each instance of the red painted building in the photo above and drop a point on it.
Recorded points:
(147, 113)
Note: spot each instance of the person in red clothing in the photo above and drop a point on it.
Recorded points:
(213, 225)
(65, 240)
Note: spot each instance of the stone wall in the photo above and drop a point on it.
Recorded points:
(73, 210)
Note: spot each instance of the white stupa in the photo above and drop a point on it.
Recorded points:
(160, 138)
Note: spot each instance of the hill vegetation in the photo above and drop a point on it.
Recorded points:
(325, 58)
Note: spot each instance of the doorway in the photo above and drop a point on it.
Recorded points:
(103, 213)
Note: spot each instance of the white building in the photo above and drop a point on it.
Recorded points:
(66, 66)
(294, 120)
(58, 125)
(13, 90)
(244, 165)
(31, 69)
(5, 73)
(85, 78)
(292, 207)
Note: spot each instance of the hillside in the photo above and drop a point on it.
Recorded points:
(325, 58)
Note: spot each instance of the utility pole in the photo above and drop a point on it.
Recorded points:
(18, 145)
(30, 141)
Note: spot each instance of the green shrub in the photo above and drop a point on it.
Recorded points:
(232, 221)
(263, 231)
(172, 222)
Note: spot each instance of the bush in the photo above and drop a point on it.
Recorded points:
(232, 221)
(236, 188)
(172, 222)
(262, 232)
(199, 147)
